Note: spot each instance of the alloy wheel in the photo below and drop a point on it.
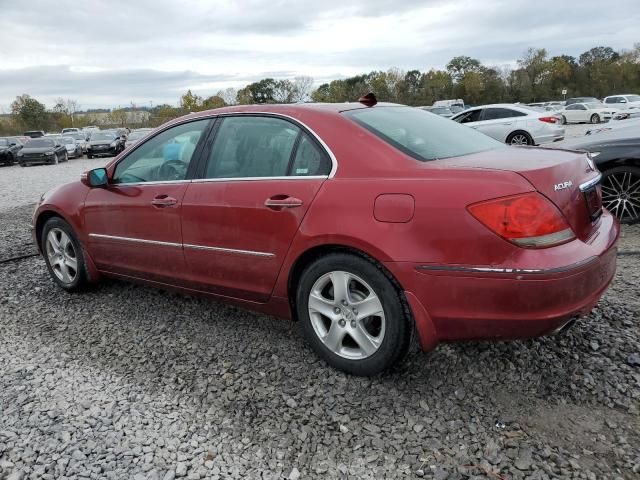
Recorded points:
(346, 315)
(520, 139)
(62, 255)
(621, 195)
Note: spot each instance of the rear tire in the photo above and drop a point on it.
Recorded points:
(563, 120)
(63, 255)
(89, 156)
(519, 138)
(56, 160)
(595, 118)
(348, 339)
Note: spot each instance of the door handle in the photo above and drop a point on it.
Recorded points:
(278, 202)
(162, 201)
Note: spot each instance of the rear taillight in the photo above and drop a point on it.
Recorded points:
(549, 119)
(528, 220)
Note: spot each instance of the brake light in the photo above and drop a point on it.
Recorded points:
(549, 119)
(528, 220)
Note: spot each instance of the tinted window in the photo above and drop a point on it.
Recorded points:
(612, 100)
(470, 116)
(103, 136)
(423, 136)
(310, 159)
(165, 157)
(580, 107)
(497, 113)
(247, 146)
(37, 143)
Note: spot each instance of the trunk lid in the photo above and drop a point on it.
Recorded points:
(557, 174)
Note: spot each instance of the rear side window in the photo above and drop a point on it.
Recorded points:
(422, 135)
(247, 146)
(497, 113)
(310, 160)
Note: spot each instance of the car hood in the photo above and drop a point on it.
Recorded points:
(628, 136)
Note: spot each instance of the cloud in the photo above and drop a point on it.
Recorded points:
(106, 53)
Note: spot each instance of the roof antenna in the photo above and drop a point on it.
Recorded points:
(368, 100)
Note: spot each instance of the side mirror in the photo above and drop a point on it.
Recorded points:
(95, 178)
(13, 144)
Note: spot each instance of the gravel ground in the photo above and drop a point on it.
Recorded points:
(126, 381)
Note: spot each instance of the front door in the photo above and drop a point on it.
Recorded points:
(238, 222)
(133, 224)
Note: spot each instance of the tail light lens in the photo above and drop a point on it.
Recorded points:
(528, 220)
(549, 119)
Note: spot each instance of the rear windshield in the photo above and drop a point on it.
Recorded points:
(422, 135)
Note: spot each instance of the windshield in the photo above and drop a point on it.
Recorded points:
(440, 110)
(4, 142)
(420, 135)
(77, 136)
(40, 142)
(633, 98)
(68, 140)
(102, 136)
(136, 135)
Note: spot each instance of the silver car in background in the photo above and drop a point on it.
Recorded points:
(136, 135)
(513, 124)
(442, 111)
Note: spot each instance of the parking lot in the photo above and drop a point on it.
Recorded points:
(126, 381)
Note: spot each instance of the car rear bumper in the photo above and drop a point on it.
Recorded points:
(463, 302)
(547, 137)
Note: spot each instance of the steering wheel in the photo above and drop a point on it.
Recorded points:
(173, 170)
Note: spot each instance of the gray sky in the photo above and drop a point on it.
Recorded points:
(109, 53)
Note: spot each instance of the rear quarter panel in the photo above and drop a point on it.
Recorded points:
(441, 230)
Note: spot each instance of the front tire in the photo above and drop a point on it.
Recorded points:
(563, 120)
(56, 160)
(595, 118)
(519, 138)
(89, 156)
(63, 255)
(352, 314)
(621, 193)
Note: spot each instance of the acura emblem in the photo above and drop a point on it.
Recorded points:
(562, 185)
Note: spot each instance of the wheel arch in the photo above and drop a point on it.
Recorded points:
(519, 131)
(311, 254)
(619, 162)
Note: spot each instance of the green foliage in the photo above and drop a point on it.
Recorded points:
(28, 113)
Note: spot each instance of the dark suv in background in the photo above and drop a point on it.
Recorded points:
(34, 133)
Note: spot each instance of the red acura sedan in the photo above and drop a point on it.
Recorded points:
(372, 224)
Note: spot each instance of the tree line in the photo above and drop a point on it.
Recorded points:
(537, 76)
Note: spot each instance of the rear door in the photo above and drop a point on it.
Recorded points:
(258, 180)
(499, 122)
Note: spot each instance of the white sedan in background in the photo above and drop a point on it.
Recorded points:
(513, 124)
(591, 112)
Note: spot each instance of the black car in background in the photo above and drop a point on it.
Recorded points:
(105, 142)
(34, 133)
(42, 150)
(9, 149)
(616, 153)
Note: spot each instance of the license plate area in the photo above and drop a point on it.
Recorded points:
(593, 199)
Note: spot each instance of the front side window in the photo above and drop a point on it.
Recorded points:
(472, 116)
(252, 146)
(421, 135)
(165, 157)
